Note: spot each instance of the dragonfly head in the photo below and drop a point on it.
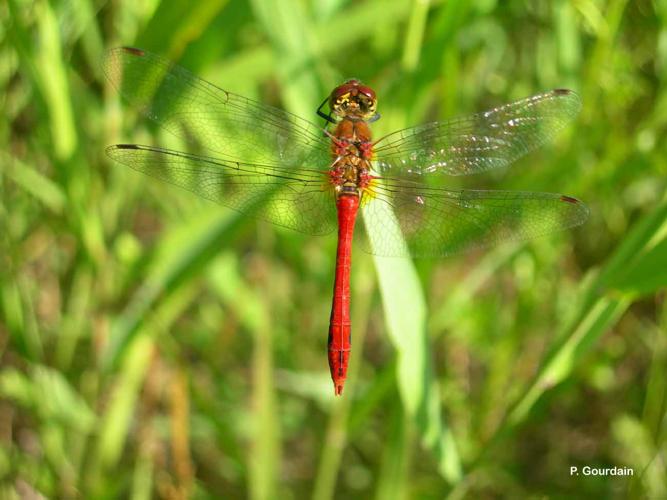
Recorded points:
(352, 99)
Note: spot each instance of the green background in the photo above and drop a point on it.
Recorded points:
(153, 344)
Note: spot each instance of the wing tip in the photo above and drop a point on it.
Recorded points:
(582, 210)
(112, 63)
(570, 95)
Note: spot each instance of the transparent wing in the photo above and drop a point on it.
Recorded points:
(477, 143)
(223, 123)
(300, 200)
(285, 161)
(419, 221)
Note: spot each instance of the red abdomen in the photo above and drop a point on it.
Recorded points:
(340, 325)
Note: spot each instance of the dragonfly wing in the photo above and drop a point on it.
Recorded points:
(429, 222)
(477, 143)
(304, 202)
(223, 123)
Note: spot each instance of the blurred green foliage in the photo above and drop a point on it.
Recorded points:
(153, 344)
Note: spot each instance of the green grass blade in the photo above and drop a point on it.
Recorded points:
(393, 479)
(560, 364)
(34, 182)
(117, 418)
(51, 76)
(640, 265)
(405, 317)
(415, 34)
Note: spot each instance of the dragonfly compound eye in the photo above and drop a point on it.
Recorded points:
(352, 99)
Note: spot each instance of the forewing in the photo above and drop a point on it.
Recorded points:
(429, 222)
(223, 123)
(304, 202)
(477, 143)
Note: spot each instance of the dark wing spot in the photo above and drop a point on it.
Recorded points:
(569, 199)
(134, 51)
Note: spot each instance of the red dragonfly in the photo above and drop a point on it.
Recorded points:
(314, 179)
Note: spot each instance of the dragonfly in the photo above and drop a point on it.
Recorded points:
(315, 179)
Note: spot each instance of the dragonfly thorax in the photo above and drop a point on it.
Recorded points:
(352, 149)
